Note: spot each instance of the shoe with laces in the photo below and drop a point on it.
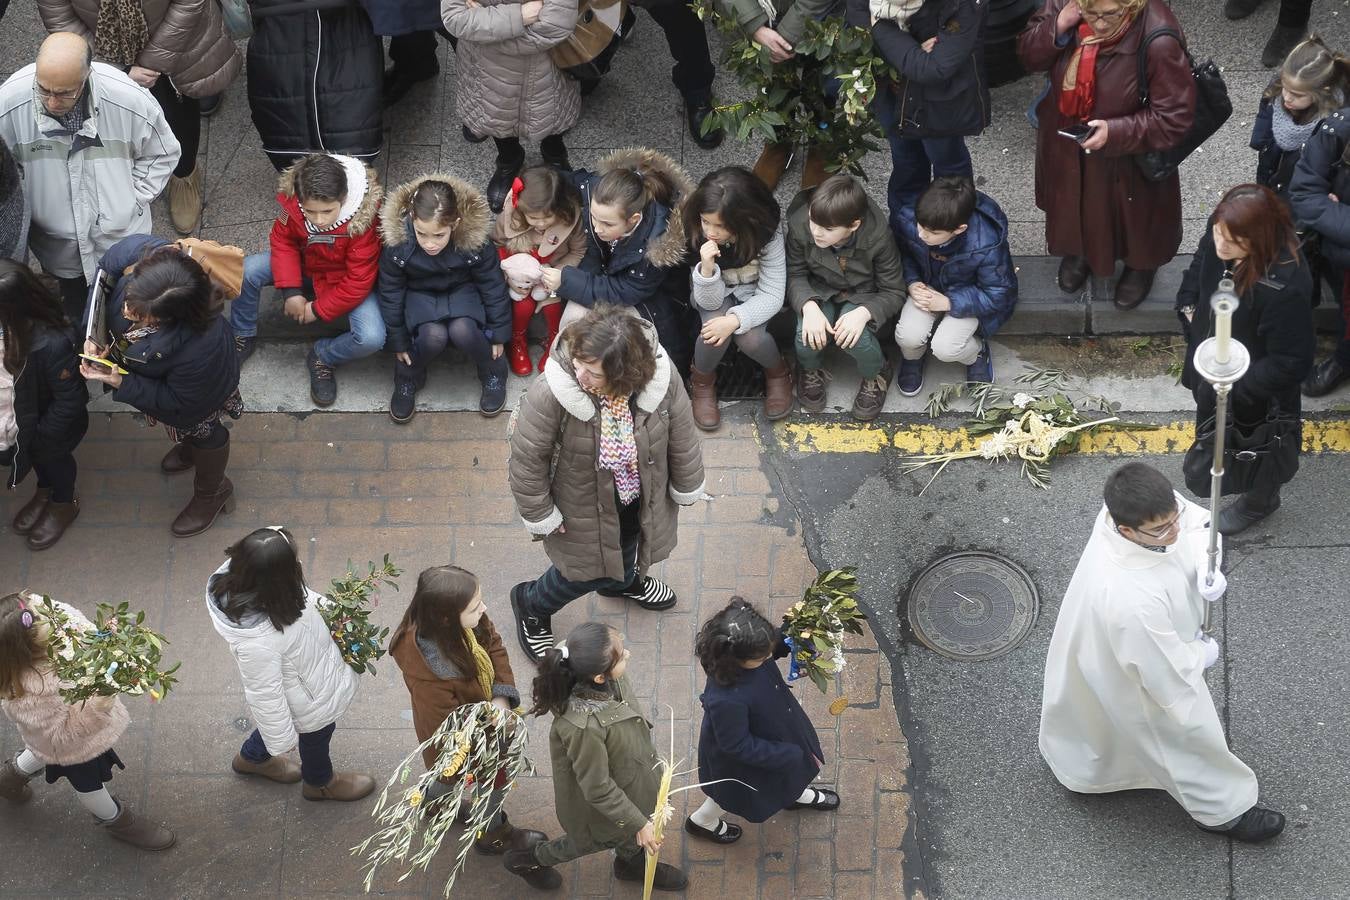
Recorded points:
(535, 632)
(811, 389)
(493, 398)
(649, 593)
(244, 345)
(403, 404)
(872, 395)
(322, 382)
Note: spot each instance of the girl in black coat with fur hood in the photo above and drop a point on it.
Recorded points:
(42, 404)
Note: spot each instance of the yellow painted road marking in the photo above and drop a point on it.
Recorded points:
(921, 439)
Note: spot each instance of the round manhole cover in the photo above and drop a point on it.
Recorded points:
(972, 605)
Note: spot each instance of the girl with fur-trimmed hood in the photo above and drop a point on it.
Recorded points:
(634, 244)
(440, 283)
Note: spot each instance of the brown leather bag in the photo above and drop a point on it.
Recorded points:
(224, 263)
(587, 52)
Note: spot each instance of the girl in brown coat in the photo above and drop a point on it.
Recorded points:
(179, 50)
(451, 655)
(1098, 206)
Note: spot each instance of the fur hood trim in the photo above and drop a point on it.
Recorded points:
(364, 216)
(475, 219)
(581, 405)
(668, 249)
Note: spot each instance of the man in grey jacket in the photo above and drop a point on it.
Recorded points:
(95, 152)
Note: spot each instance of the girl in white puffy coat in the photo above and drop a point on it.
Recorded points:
(295, 681)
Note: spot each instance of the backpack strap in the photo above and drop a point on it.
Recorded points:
(1142, 80)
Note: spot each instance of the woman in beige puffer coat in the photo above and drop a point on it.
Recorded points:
(507, 86)
(179, 50)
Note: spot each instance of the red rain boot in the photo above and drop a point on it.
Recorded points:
(521, 312)
(552, 315)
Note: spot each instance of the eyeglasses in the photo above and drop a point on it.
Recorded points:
(66, 96)
(1161, 532)
(1114, 15)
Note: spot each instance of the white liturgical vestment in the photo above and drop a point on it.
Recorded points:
(1125, 703)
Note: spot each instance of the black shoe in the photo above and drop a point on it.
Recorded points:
(588, 86)
(322, 382)
(1324, 378)
(696, 111)
(244, 347)
(508, 167)
(555, 156)
(909, 380)
(668, 878)
(493, 397)
(523, 863)
(398, 82)
(1073, 274)
(1242, 514)
(1255, 825)
(981, 371)
(535, 632)
(470, 136)
(1240, 9)
(649, 593)
(1282, 40)
(824, 799)
(724, 833)
(209, 106)
(403, 404)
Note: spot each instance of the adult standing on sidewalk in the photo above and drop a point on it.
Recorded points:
(179, 51)
(1099, 208)
(1290, 27)
(604, 451)
(95, 150)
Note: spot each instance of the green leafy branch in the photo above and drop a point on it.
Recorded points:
(817, 623)
(346, 611)
(119, 655)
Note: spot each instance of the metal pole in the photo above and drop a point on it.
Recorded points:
(1221, 392)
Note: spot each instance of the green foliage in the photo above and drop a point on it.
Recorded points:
(787, 100)
(818, 622)
(119, 656)
(346, 611)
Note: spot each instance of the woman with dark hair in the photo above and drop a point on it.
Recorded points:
(15, 213)
(451, 656)
(295, 682)
(177, 365)
(604, 451)
(42, 403)
(1251, 239)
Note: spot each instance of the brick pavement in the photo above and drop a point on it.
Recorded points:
(355, 486)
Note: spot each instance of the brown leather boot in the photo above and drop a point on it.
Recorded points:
(345, 786)
(496, 841)
(178, 459)
(138, 832)
(778, 390)
(773, 162)
(30, 512)
(1133, 287)
(813, 171)
(703, 397)
(55, 519)
(14, 783)
(280, 769)
(212, 493)
(1073, 274)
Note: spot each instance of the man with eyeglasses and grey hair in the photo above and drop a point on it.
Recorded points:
(1125, 704)
(95, 151)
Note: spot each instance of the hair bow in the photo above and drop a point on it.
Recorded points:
(517, 186)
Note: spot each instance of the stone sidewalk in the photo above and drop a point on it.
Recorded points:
(356, 487)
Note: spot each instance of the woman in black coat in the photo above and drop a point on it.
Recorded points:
(177, 364)
(1251, 237)
(42, 403)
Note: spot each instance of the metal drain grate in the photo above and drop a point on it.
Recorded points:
(739, 377)
(972, 605)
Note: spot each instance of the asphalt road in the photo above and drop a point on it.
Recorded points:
(989, 819)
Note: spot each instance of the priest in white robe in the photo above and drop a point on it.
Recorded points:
(1125, 703)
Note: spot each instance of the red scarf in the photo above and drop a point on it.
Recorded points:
(1078, 92)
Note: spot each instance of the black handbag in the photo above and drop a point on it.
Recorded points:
(1264, 455)
(1212, 109)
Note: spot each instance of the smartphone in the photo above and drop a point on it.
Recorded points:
(1078, 133)
(104, 362)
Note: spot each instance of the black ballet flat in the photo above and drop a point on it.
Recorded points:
(726, 832)
(825, 800)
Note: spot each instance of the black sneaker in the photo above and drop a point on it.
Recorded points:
(403, 405)
(649, 593)
(244, 346)
(493, 398)
(535, 632)
(1255, 825)
(322, 383)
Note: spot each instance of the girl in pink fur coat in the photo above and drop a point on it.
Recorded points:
(70, 741)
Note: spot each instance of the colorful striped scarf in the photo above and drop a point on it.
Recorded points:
(618, 447)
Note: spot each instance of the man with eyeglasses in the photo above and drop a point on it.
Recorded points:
(1125, 704)
(95, 151)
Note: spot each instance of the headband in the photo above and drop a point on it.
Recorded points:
(25, 614)
(278, 530)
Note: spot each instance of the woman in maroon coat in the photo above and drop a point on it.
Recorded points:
(1099, 208)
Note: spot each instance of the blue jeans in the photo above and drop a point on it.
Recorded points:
(316, 768)
(367, 325)
(915, 162)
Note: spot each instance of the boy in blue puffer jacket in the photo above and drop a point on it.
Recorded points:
(959, 269)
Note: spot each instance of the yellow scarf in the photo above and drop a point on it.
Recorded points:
(482, 663)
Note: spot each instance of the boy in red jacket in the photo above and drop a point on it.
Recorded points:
(325, 245)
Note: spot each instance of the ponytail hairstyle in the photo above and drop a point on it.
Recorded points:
(435, 202)
(590, 650)
(746, 207)
(735, 634)
(443, 592)
(543, 190)
(23, 642)
(1314, 68)
(265, 578)
(26, 300)
(631, 189)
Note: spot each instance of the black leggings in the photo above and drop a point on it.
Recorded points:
(184, 115)
(508, 148)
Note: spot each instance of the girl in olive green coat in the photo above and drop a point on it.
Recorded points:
(604, 765)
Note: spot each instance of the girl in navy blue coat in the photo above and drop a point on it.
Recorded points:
(754, 730)
(440, 284)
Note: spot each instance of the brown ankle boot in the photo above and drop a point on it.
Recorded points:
(178, 459)
(703, 397)
(55, 519)
(345, 786)
(212, 492)
(138, 832)
(773, 162)
(778, 390)
(280, 769)
(496, 841)
(813, 171)
(30, 512)
(14, 783)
